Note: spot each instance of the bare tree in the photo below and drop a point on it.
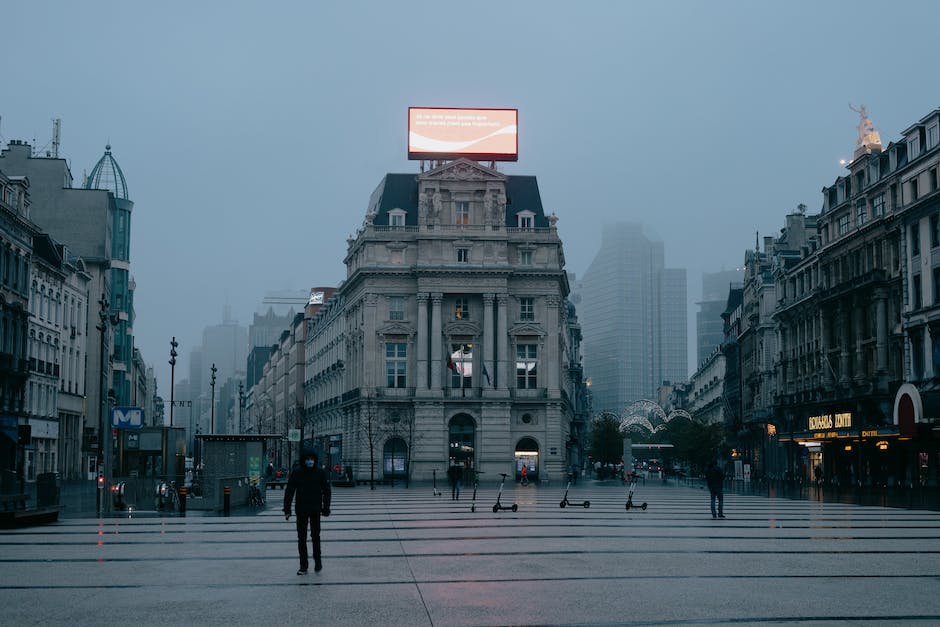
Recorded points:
(369, 435)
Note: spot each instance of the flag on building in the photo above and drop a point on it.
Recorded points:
(487, 375)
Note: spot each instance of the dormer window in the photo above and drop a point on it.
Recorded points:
(526, 219)
(462, 212)
(913, 147)
(396, 217)
(933, 136)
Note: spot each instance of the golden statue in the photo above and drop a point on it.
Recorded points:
(868, 137)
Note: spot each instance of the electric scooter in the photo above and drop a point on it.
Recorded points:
(498, 507)
(476, 482)
(436, 491)
(565, 502)
(633, 481)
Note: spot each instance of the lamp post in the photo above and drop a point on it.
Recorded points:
(173, 354)
(104, 427)
(212, 409)
(241, 406)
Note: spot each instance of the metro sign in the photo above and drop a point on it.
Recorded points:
(127, 417)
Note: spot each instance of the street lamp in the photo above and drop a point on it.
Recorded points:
(104, 427)
(212, 383)
(173, 354)
(241, 407)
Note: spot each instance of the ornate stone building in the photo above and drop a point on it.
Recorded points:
(450, 340)
(839, 311)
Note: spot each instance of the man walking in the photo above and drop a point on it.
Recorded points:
(715, 479)
(455, 475)
(312, 488)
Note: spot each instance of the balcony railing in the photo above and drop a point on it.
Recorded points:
(462, 392)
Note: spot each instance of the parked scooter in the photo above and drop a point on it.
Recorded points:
(498, 507)
(476, 483)
(434, 475)
(633, 481)
(565, 502)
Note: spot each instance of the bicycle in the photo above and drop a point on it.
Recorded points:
(255, 496)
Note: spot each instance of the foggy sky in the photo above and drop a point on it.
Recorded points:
(252, 134)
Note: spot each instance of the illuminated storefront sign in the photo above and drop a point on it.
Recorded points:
(830, 421)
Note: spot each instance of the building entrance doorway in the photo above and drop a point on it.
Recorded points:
(461, 436)
(527, 454)
(395, 459)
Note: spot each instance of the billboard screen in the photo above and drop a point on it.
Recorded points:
(481, 134)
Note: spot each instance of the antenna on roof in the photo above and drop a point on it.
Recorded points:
(56, 127)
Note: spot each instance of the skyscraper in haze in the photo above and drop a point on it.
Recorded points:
(708, 322)
(633, 317)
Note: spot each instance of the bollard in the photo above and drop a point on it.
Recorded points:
(227, 500)
(183, 492)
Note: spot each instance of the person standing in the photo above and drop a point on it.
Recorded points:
(455, 475)
(525, 475)
(312, 488)
(715, 478)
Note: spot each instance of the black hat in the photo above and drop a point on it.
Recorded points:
(309, 452)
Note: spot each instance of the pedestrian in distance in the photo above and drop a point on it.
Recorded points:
(715, 478)
(455, 476)
(525, 475)
(312, 488)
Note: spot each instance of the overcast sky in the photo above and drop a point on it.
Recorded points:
(252, 134)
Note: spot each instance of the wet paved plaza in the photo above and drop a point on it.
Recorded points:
(398, 556)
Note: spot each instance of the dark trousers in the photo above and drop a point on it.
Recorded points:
(303, 522)
(718, 495)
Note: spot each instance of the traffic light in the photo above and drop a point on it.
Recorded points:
(24, 434)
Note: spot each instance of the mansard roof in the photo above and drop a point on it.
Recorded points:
(400, 191)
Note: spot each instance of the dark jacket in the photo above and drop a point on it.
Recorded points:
(715, 478)
(312, 489)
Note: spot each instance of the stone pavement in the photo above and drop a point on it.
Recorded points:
(398, 556)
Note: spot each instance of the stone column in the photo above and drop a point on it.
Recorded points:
(825, 334)
(928, 352)
(881, 342)
(422, 342)
(858, 311)
(502, 341)
(487, 341)
(370, 342)
(844, 361)
(550, 366)
(435, 340)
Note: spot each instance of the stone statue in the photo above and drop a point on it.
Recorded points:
(423, 204)
(491, 208)
(868, 137)
(437, 206)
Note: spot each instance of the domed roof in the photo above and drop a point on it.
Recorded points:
(107, 175)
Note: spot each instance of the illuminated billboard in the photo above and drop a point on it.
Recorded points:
(481, 134)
